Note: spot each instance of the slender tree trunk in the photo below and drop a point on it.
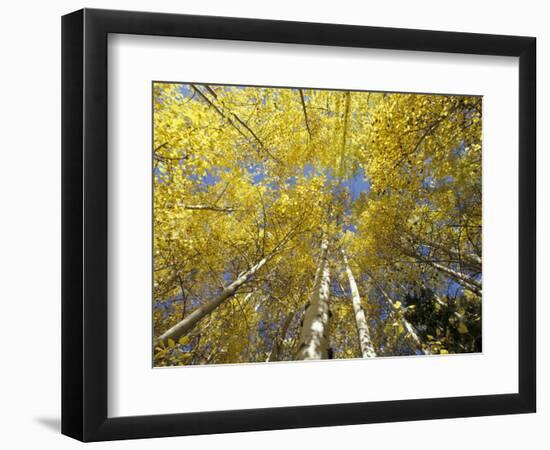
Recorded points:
(185, 325)
(414, 335)
(411, 331)
(365, 342)
(471, 259)
(313, 342)
(275, 353)
(464, 280)
(210, 208)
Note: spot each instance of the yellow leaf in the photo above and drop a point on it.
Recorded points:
(462, 328)
(171, 343)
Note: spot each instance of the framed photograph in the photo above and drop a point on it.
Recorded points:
(273, 225)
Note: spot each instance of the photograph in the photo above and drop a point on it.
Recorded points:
(266, 226)
(294, 223)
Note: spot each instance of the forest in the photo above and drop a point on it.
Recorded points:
(309, 224)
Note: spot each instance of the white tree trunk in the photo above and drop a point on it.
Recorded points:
(414, 335)
(365, 342)
(275, 353)
(464, 280)
(411, 331)
(470, 258)
(185, 325)
(209, 208)
(314, 332)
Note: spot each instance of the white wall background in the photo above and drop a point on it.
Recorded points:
(30, 225)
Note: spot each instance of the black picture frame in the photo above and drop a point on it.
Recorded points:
(84, 224)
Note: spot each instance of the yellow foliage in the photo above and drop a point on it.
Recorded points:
(242, 173)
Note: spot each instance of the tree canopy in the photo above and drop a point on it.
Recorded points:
(311, 224)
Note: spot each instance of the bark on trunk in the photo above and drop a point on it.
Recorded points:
(314, 332)
(185, 325)
(365, 342)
